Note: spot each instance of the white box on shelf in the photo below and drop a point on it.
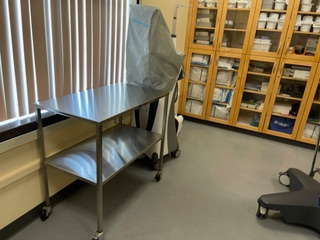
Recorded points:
(301, 74)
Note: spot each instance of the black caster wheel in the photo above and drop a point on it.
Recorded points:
(262, 212)
(176, 153)
(156, 165)
(95, 238)
(158, 177)
(44, 215)
(284, 179)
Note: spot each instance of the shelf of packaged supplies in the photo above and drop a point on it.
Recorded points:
(254, 92)
(288, 97)
(194, 98)
(199, 65)
(206, 28)
(316, 102)
(197, 82)
(285, 116)
(227, 69)
(220, 103)
(307, 33)
(223, 86)
(259, 74)
(269, 30)
(235, 30)
(251, 109)
(294, 79)
(273, 11)
(309, 13)
(314, 122)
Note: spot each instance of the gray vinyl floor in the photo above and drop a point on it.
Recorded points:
(209, 193)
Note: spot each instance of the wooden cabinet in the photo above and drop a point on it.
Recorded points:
(309, 127)
(269, 28)
(261, 70)
(289, 98)
(221, 25)
(224, 87)
(257, 82)
(302, 42)
(196, 84)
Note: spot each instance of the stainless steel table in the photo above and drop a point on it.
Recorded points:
(98, 159)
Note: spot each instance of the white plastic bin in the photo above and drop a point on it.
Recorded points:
(306, 7)
(316, 27)
(305, 27)
(306, 1)
(279, 5)
(262, 24)
(242, 4)
(271, 24)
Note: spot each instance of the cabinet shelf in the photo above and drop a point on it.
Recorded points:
(194, 98)
(285, 116)
(254, 92)
(316, 102)
(259, 74)
(119, 150)
(250, 109)
(309, 13)
(294, 79)
(223, 86)
(197, 82)
(210, 8)
(273, 11)
(288, 97)
(220, 103)
(227, 69)
(199, 65)
(306, 33)
(235, 30)
(269, 30)
(203, 27)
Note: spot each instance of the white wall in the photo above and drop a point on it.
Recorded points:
(167, 9)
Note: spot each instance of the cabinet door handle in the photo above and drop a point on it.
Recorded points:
(274, 67)
(282, 67)
(280, 45)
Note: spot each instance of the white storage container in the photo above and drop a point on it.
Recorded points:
(306, 7)
(306, 1)
(267, 4)
(305, 27)
(262, 24)
(280, 24)
(201, 3)
(242, 4)
(279, 5)
(271, 24)
(316, 27)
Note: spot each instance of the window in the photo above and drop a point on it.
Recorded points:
(49, 48)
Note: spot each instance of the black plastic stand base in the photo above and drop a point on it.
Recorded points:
(300, 205)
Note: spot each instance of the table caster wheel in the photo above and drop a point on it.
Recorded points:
(176, 153)
(158, 177)
(45, 213)
(95, 238)
(262, 212)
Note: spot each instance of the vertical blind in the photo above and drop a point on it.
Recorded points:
(49, 48)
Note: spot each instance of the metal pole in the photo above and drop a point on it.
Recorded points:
(315, 155)
(99, 181)
(164, 126)
(41, 147)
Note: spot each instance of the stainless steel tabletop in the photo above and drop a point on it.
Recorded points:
(103, 103)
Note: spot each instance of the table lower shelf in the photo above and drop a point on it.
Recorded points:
(121, 145)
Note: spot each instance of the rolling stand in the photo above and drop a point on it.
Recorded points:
(302, 204)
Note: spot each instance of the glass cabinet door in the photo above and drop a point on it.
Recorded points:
(224, 86)
(236, 22)
(303, 36)
(271, 23)
(310, 123)
(196, 85)
(205, 23)
(256, 88)
(290, 94)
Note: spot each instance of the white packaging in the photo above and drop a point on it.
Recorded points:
(264, 86)
(194, 107)
(196, 91)
(301, 74)
(271, 24)
(262, 24)
(305, 27)
(316, 27)
(279, 5)
(306, 7)
(198, 74)
(242, 4)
